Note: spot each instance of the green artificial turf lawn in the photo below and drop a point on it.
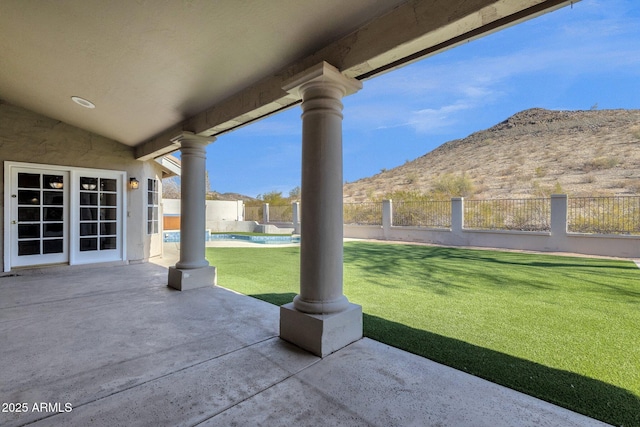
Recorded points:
(564, 329)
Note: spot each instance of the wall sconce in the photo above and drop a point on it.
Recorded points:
(134, 184)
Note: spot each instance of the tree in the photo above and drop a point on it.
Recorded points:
(171, 188)
(294, 194)
(273, 198)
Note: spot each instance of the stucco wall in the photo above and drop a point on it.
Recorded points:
(32, 138)
(221, 215)
(217, 210)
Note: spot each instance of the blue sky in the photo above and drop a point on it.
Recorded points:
(576, 58)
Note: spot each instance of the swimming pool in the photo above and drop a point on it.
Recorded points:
(174, 236)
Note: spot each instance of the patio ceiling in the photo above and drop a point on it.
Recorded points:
(156, 68)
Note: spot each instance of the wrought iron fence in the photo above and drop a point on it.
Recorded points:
(508, 214)
(434, 214)
(281, 213)
(253, 213)
(604, 215)
(367, 213)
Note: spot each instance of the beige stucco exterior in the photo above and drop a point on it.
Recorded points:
(35, 139)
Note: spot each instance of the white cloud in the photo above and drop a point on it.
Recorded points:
(431, 120)
(433, 94)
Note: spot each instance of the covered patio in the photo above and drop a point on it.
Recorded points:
(92, 95)
(116, 346)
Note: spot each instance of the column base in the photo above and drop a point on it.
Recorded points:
(192, 278)
(321, 334)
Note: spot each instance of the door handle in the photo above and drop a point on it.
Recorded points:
(14, 222)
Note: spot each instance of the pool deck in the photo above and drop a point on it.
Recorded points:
(112, 346)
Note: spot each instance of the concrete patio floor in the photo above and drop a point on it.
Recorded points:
(115, 346)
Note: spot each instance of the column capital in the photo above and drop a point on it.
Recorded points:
(321, 73)
(559, 196)
(191, 137)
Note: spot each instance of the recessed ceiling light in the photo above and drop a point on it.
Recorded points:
(83, 102)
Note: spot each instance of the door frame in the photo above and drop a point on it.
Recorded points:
(13, 222)
(72, 206)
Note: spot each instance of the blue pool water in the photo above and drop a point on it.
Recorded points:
(174, 236)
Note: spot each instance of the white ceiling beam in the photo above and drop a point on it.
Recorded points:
(412, 31)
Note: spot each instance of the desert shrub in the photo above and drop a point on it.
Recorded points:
(366, 213)
(600, 163)
(510, 171)
(508, 214)
(606, 215)
(422, 213)
(405, 195)
(281, 213)
(633, 185)
(546, 190)
(449, 185)
(411, 178)
(253, 213)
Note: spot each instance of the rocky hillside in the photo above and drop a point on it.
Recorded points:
(535, 152)
(214, 195)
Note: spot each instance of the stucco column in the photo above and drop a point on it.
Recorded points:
(192, 270)
(457, 214)
(559, 211)
(457, 221)
(321, 319)
(295, 207)
(387, 217)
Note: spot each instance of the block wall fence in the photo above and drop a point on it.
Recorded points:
(286, 219)
(558, 239)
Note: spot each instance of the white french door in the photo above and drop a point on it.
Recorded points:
(40, 216)
(57, 214)
(97, 217)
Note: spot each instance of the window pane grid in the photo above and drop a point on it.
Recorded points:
(98, 214)
(40, 213)
(152, 207)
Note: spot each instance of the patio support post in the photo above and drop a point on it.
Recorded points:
(192, 270)
(321, 319)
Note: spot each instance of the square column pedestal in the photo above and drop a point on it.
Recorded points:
(184, 279)
(321, 334)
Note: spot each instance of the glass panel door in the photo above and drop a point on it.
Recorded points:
(99, 222)
(39, 216)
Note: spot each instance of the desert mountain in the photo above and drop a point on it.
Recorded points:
(214, 195)
(533, 153)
